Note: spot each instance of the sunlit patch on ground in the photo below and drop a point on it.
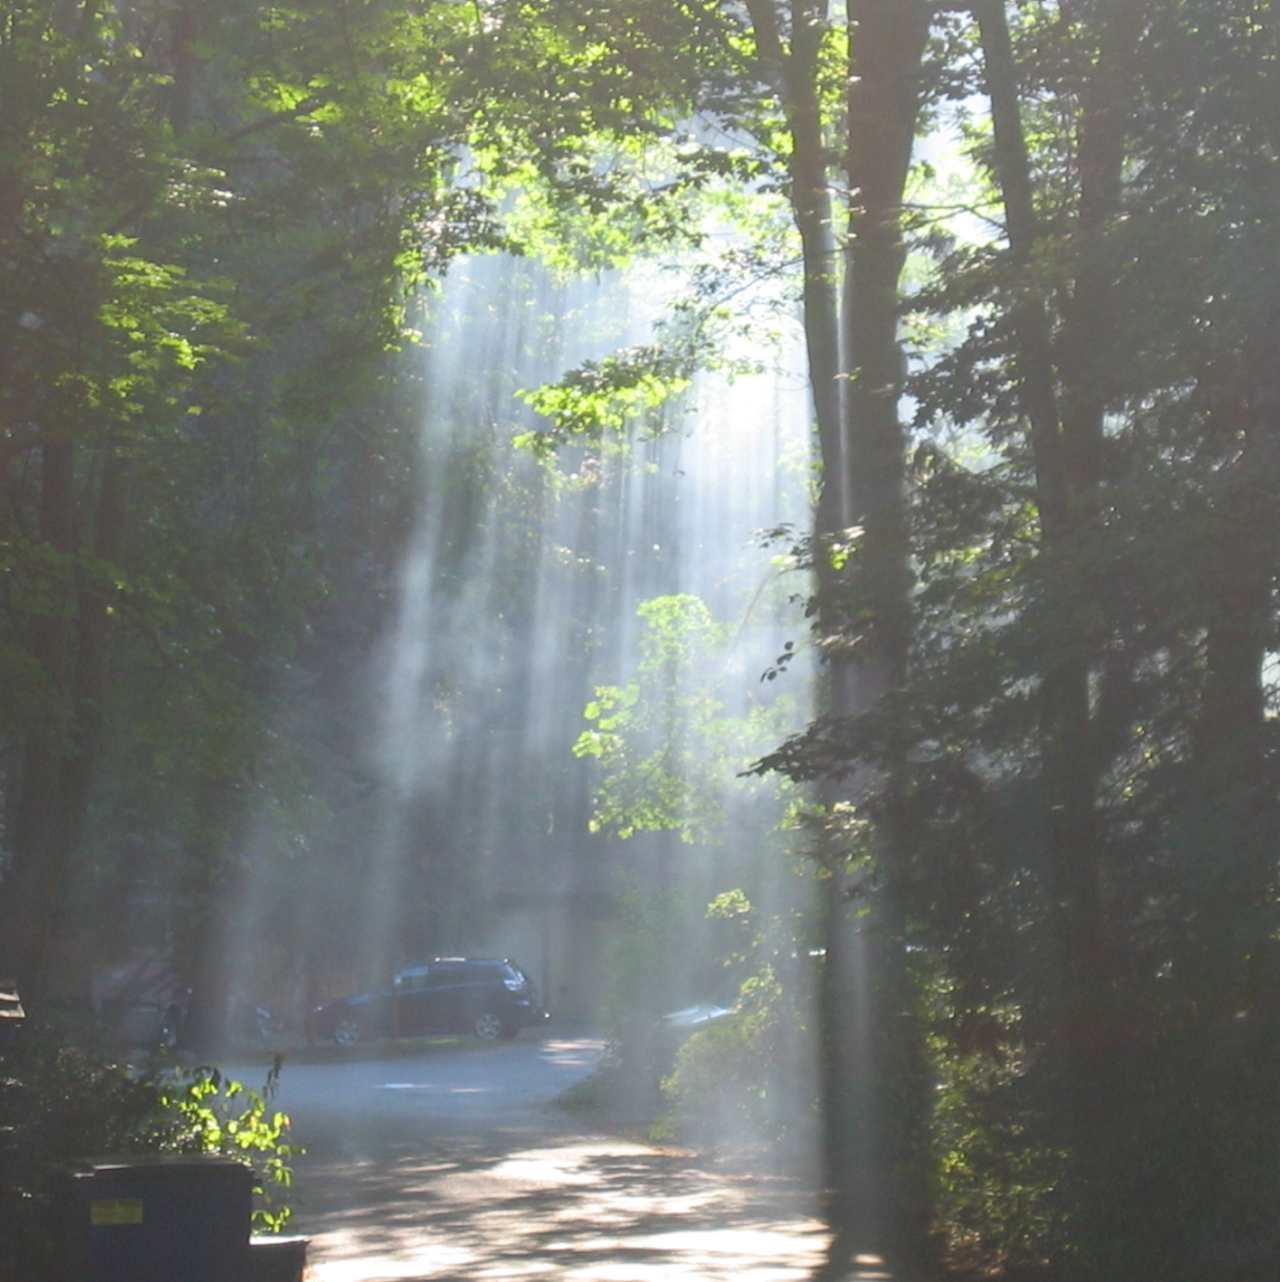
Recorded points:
(593, 1211)
(869, 1268)
(570, 1054)
(392, 1268)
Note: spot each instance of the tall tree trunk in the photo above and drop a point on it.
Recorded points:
(1065, 716)
(58, 765)
(183, 34)
(1085, 348)
(1064, 398)
(202, 930)
(1030, 316)
(1069, 799)
(1065, 394)
(886, 1075)
(37, 878)
(1231, 799)
(864, 645)
(1230, 748)
(792, 71)
(94, 625)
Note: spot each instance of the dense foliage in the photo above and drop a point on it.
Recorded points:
(1080, 749)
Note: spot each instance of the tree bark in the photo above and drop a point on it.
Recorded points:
(863, 616)
(1030, 316)
(183, 33)
(792, 74)
(1231, 799)
(58, 765)
(886, 1075)
(1064, 397)
(94, 626)
(1086, 343)
(1070, 817)
(1065, 734)
(37, 877)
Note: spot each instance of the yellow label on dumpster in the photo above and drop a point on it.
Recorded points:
(116, 1210)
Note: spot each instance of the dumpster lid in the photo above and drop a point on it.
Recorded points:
(89, 1166)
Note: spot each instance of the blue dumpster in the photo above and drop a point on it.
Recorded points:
(155, 1219)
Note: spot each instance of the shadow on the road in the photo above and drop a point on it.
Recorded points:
(522, 1206)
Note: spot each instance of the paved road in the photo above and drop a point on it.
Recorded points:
(454, 1164)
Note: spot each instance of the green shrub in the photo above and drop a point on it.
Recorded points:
(204, 1112)
(745, 1081)
(998, 1175)
(59, 1103)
